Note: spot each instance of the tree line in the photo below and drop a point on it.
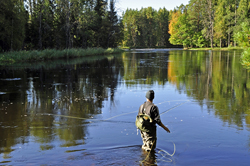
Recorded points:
(208, 22)
(60, 24)
(146, 28)
(42, 24)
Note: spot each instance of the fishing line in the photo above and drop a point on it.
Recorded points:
(162, 152)
(174, 107)
(120, 115)
(66, 116)
(164, 155)
(155, 104)
(73, 117)
(90, 120)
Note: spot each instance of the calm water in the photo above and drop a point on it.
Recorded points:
(82, 112)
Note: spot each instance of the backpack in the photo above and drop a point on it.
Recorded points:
(143, 121)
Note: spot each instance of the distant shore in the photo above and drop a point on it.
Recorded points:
(216, 48)
(205, 48)
(50, 54)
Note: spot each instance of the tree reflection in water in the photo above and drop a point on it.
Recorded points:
(52, 104)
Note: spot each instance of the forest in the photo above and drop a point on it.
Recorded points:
(208, 22)
(146, 27)
(63, 24)
(60, 24)
(201, 23)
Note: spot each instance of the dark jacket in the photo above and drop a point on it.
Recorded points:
(151, 110)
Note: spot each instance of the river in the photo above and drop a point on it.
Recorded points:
(82, 111)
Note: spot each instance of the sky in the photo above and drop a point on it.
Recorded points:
(122, 5)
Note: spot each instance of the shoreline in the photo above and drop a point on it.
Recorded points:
(52, 54)
(216, 48)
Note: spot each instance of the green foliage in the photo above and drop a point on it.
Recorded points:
(60, 24)
(245, 58)
(243, 36)
(12, 25)
(49, 54)
(209, 22)
(146, 28)
(243, 39)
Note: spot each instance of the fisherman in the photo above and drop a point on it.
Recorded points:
(148, 108)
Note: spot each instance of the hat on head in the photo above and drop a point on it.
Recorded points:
(150, 95)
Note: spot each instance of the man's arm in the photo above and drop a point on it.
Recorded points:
(164, 127)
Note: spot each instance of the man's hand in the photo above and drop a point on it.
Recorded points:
(164, 127)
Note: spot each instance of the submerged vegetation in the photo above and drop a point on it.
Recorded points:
(49, 54)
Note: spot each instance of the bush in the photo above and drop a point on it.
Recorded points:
(243, 39)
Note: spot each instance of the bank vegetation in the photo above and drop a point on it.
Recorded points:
(51, 25)
(51, 54)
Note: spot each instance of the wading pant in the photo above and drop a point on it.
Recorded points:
(149, 139)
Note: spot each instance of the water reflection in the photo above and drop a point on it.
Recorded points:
(145, 68)
(214, 76)
(53, 104)
(31, 104)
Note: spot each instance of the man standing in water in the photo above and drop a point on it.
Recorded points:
(149, 138)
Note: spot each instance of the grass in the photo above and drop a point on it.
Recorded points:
(50, 54)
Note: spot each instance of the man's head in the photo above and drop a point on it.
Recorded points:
(150, 95)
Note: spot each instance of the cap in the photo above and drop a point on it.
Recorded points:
(150, 95)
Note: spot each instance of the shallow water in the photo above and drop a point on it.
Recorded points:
(82, 111)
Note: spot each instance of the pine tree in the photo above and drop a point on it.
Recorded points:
(113, 26)
(208, 9)
(100, 9)
(12, 13)
(220, 21)
(162, 34)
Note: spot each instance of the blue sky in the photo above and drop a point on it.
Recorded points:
(122, 5)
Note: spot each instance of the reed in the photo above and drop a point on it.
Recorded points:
(50, 54)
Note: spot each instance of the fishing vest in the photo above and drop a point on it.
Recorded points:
(143, 121)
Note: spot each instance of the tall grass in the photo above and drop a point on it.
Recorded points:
(50, 54)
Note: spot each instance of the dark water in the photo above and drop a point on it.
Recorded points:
(82, 111)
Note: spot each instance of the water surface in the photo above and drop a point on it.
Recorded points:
(82, 111)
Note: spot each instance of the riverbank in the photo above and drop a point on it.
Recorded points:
(50, 54)
(216, 48)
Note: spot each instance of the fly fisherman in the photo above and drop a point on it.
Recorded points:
(149, 135)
